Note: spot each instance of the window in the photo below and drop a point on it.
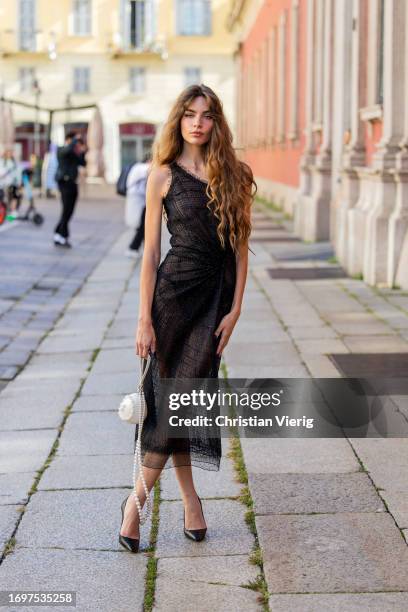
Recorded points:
(82, 77)
(138, 23)
(193, 17)
(82, 17)
(27, 32)
(137, 79)
(192, 76)
(26, 78)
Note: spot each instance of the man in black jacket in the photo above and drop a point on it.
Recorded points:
(70, 157)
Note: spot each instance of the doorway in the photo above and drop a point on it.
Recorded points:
(136, 140)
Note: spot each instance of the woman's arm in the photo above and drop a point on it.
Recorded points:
(241, 260)
(145, 337)
(228, 322)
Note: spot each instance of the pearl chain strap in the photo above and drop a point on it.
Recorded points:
(138, 457)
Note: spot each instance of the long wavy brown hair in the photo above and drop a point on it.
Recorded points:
(231, 187)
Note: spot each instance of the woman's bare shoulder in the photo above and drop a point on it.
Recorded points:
(160, 178)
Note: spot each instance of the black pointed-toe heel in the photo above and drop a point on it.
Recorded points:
(195, 534)
(131, 544)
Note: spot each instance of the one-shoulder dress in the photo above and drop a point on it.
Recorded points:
(194, 290)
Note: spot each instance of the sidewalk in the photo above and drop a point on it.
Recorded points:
(330, 515)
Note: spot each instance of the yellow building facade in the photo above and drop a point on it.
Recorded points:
(130, 57)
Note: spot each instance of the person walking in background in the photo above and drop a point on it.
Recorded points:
(70, 157)
(136, 204)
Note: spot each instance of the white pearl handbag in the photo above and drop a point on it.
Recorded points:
(133, 410)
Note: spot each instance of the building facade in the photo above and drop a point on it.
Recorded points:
(130, 57)
(323, 121)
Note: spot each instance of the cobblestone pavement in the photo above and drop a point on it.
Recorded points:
(330, 514)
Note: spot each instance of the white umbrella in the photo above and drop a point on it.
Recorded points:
(95, 161)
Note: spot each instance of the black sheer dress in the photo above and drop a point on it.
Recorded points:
(194, 290)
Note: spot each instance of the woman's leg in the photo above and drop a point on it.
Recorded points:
(193, 514)
(130, 525)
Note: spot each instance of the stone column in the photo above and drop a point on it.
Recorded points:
(398, 228)
(379, 244)
(294, 71)
(341, 111)
(349, 217)
(282, 78)
(273, 88)
(317, 223)
(307, 159)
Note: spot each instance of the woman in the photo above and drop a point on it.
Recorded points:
(190, 303)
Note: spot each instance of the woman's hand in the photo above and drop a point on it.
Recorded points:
(225, 327)
(145, 339)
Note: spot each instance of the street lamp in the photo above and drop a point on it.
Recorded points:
(37, 94)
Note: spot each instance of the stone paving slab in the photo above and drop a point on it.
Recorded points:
(39, 399)
(208, 583)
(56, 392)
(401, 402)
(298, 455)
(344, 552)
(124, 327)
(8, 372)
(317, 493)
(96, 433)
(14, 357)
(66, 344)
(386, 461)
(113, 343)
(117, 360)
(271, 371)
(227, 532)
(60, 365)
(15, 416)
(258, 334)
(272, 353)
(9, 516)
(340, 602)
(14, 487)
(362, 324)
(77, 472)
(375, 344)
(320, 366)
(116, 383)
(25, 451)
(321, 346)
(208, 484)
(86, 403)
(103, 580)
(76, 519)
(320, 332)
